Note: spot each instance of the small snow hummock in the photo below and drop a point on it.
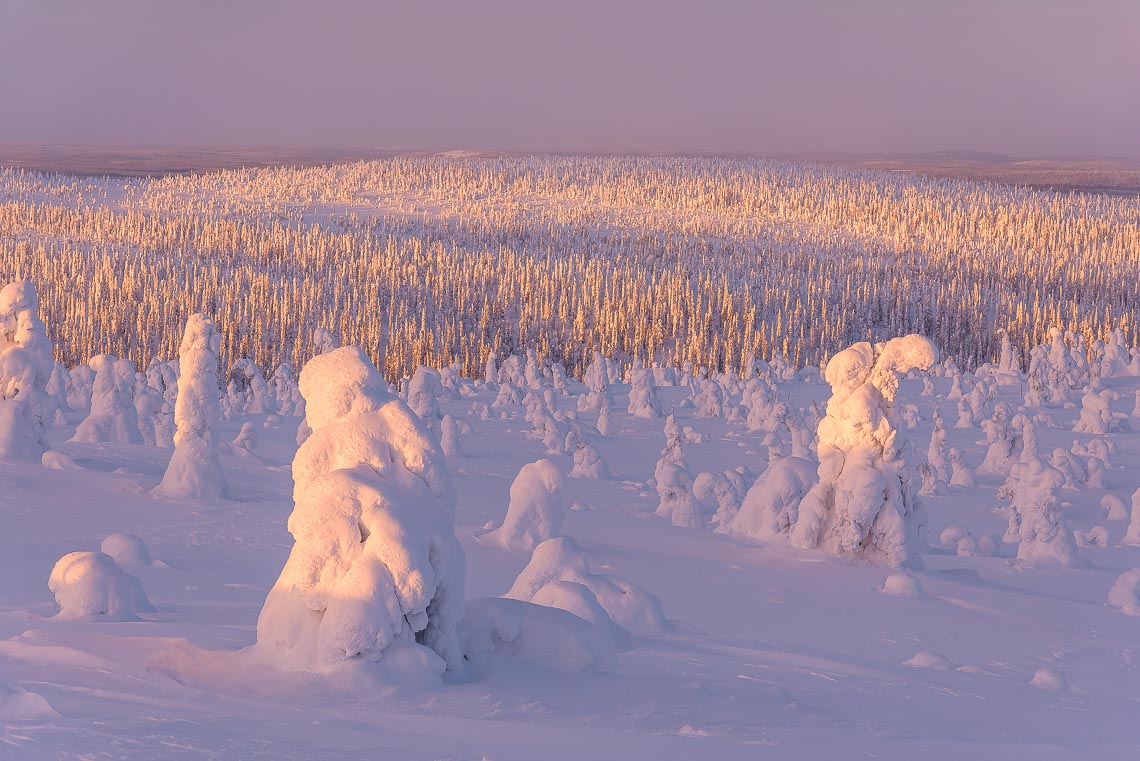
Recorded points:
(1125, 592)
(928, 660)
(195, 469)
(902, 585)
(87, 584)
(128, 550)
(561, 563)
(864, 503)
(547, 637)
(1047, 679)
(17, 704)
(375, 563)
(535, 511)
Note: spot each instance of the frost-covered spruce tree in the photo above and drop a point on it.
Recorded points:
(1000, 456)
(536, 510)
(375, 562)
(937, 452)
(424, 391)
(285, 391)
(675, 482)
(249, 391)
(25, 368)
(1096, 411)
(643, 401)
(195, 469)
(597, 385)
(1041, 532)
(491, 371)
(865, 503)
(113, 416)
(449, 437)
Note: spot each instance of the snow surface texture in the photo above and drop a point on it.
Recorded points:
(375, 561)
(195, 470)
(865, 502)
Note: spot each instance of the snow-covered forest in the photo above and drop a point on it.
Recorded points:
(436, 260)
(537, 457)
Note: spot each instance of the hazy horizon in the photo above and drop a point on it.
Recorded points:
(1014, 77)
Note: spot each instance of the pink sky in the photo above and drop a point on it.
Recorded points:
(1024, 77)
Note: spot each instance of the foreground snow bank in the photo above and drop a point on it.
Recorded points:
(375, 561)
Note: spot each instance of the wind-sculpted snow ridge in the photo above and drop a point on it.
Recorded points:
(375, 563)
(662, 259)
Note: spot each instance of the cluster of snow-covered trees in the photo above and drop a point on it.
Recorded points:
(430, 261)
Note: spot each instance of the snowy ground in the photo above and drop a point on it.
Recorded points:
(777, 652)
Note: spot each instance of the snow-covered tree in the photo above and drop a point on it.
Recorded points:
(195, 469)
(375, 562)
(864, 503)
(26, 366)
(536, 510)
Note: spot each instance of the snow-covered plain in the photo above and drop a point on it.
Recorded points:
(765, 650)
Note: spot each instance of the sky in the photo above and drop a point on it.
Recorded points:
(1027, 78)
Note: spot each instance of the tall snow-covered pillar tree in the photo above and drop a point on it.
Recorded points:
(25, 368)
(375, 562)
(865, 503)
(195, 470)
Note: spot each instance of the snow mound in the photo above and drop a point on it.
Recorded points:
(20, 705)
(56, 460)
(928, 660)
(902, 585)
(536, 511)
(1047, 679)
(561, 560)
(1116, 509)
(544, 636)
(1125, 592)
(128, 550)
(375, 561)
(771, 507)
(89, 584)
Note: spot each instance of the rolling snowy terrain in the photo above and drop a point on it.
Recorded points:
(764, 648)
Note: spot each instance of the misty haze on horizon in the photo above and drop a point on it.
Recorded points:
(1025, 78)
